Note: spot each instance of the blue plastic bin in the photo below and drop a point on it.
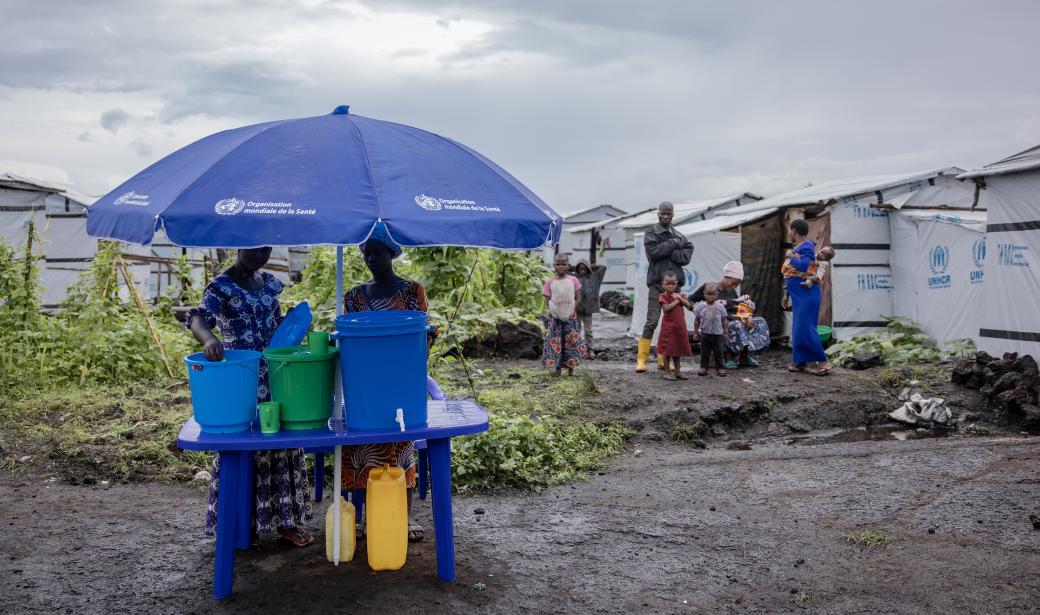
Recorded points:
(383, 365)
(223, 393)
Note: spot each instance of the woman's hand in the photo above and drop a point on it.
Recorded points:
(213, 350)
(785, 303)
(743, 298)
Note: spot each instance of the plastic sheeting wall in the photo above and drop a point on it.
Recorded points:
(611, 253)
(1012, 285)
(938, 266)
(711, 251)
(863, 286)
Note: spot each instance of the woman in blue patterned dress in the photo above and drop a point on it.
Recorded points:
(243, 301)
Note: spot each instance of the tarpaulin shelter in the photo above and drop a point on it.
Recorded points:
(937, 266)
(1009, 189)
(58, 217)
(852, 215)
(716, 241)
(600, 242)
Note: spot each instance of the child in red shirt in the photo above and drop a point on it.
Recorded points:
(673, 341)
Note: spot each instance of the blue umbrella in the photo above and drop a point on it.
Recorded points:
(325, 180)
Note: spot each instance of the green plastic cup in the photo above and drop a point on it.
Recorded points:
(270, 417)
(318, 342)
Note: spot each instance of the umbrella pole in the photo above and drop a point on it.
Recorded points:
(338, 468)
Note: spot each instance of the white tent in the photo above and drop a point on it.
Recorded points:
(612, 249)
(1010, 191)
(857, 217)
(686, 212)
(938, 265)
(716, 241)
(59, 216)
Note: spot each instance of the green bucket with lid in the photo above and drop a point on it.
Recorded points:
(302, 382)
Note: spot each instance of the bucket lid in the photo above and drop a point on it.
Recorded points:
(386, 322)
(298, 354)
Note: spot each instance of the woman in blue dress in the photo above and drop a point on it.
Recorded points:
(805, 304)
(243, 301)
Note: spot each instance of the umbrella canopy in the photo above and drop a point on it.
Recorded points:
(325, 180)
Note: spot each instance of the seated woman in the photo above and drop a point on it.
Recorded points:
(244, 302)
(747, 333)
(386, 291)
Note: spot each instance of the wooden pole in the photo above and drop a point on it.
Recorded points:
(132, 287)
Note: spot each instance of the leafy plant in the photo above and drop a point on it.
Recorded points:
(469, 291)
(520, 451)
(95, 338)
(901, 342)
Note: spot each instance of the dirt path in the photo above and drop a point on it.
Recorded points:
(724, 531)
(722, 503)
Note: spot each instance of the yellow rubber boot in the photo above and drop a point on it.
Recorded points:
(643, 355)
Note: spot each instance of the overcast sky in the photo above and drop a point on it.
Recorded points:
(585, 102)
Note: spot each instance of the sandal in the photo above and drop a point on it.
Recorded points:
(796, 368)
(416, 533)
(748, 362)
(702, 371)
(682, 376)
(729, 364)
(721, 373)
(669, 376)
(297, 537)
(823, 371)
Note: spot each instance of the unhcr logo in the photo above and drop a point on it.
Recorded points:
(978, 258)
(939, 262)
(978, 252)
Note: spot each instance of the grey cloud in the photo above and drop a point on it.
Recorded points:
(238, 88)
(585, 101)
(85, 137)
(142, 149)
(114, 119)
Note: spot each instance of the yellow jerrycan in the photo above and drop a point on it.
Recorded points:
(386, 518)
(347, 536)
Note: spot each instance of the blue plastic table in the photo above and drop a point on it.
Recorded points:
(447, 419)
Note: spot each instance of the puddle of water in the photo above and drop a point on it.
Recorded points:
(873, 433)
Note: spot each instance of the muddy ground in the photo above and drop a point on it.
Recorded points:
(734, 497)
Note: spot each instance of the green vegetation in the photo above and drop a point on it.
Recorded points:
(530, 443)
(469, 291)
(102, 432)
(97, 337)
(901, 342)
(869, 538)
(87, 390)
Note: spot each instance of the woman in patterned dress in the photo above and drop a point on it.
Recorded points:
(385, 291)
(243, 301)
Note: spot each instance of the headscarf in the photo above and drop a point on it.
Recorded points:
(382, 235)
(733, 269)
